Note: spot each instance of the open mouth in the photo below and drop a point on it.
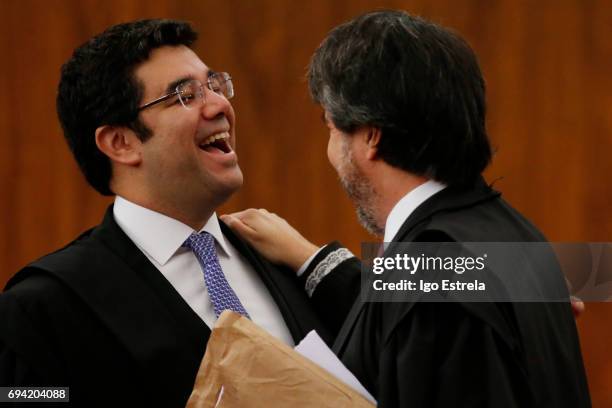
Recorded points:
(217, 143)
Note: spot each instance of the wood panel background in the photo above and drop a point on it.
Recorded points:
(547, 65)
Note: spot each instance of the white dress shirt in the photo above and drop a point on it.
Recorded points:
(160, 238)
(406, 206)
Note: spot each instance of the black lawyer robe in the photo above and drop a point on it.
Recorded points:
(455, 354)
(98, 317)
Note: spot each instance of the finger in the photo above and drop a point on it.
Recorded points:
(265, 213)
(239, 227)
(241, 214)
(251, 216)
(258, 217)
(276, 217)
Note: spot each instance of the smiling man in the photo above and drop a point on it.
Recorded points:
(122, 314)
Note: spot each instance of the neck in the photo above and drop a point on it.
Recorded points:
(190, 211)
(196, 218)
(391, 185)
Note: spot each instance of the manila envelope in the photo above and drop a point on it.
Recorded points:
(246, 367)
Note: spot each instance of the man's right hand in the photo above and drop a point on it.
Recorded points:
(271, 236)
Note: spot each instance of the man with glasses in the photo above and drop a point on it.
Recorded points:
(123, 313)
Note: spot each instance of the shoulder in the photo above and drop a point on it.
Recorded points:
(79, 254)
(37, 299)
(40, 301)
(41, 289)
(487, 221)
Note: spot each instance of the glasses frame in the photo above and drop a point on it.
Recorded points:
(226, 77)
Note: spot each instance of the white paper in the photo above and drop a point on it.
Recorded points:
(314, 348)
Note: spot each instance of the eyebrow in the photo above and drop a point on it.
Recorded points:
(172, 85)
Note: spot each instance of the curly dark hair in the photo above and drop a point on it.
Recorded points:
(419, 83)
(97, 87)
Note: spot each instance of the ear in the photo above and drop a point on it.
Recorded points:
(373, 137)
(120, 144)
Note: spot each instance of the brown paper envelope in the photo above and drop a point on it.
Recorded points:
(257, 370)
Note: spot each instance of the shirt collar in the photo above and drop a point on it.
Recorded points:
(407, 204)
(156, 234)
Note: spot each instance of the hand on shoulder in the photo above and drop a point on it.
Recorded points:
(272, 236)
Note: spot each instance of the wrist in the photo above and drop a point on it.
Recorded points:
(302, 254)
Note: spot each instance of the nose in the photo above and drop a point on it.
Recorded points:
(215, 105)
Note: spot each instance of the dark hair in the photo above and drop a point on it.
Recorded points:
(419, 83)
(97, 87)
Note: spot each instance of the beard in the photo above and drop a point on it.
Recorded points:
(361, 192)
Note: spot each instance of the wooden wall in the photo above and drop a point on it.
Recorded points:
(547, 65)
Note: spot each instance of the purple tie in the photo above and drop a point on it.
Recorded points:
(221, 293)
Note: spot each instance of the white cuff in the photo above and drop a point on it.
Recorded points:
(324, 267)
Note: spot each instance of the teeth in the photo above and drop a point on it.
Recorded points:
(212, 138)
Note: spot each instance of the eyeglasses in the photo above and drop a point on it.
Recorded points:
(191, 92)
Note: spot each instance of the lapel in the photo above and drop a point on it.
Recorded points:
(131, 298)
(446, 200)
(284, 289)
(289, 297)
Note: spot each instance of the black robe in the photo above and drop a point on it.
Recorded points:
(455, 354)
(98, 317)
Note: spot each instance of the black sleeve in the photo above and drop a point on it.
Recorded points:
(337, 291)
(441, 356)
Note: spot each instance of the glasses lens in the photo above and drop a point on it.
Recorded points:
(221, 83)
(190, 93)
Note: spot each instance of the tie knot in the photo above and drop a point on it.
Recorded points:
(200, 241)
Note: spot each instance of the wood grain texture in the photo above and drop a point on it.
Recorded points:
(546, 62)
